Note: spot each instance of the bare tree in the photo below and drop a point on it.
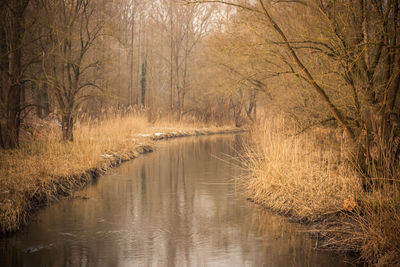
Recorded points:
(355, 45)
(74, 30)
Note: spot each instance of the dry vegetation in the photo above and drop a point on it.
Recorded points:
(315, 61)
(310, 177)
(44, 168)
(296, 175)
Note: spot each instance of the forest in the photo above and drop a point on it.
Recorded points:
(314, 82)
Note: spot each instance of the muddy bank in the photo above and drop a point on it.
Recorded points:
(331, 231)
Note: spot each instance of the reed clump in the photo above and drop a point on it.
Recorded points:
(302, 176)
(377, 225)
(310, 177)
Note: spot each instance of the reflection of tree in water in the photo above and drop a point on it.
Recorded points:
(143, 186)
(183, 194)
(174, 207)
(206, 221)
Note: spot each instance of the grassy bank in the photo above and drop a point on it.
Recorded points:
(44, 169)
(309, 178)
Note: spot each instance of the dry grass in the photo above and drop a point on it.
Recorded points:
(378, 226)
(308, 177)
(44, 168)
(296, 175)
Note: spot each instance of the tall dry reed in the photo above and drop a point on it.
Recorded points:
(300, 175)
(377, 224)
(308, 176)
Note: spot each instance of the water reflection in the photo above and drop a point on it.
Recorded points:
(175, 207)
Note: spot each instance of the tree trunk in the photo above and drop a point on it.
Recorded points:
(171, 59)
(11, 132)
(131, 102)
(237, 112)
(13, 31)
(143, 82)
(67, 125)
(178, 103)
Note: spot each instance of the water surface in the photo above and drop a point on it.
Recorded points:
(178, 206)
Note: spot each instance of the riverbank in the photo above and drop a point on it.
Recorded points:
(309, 178)
(44, 169)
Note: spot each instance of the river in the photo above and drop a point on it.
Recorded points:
(178, 206)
